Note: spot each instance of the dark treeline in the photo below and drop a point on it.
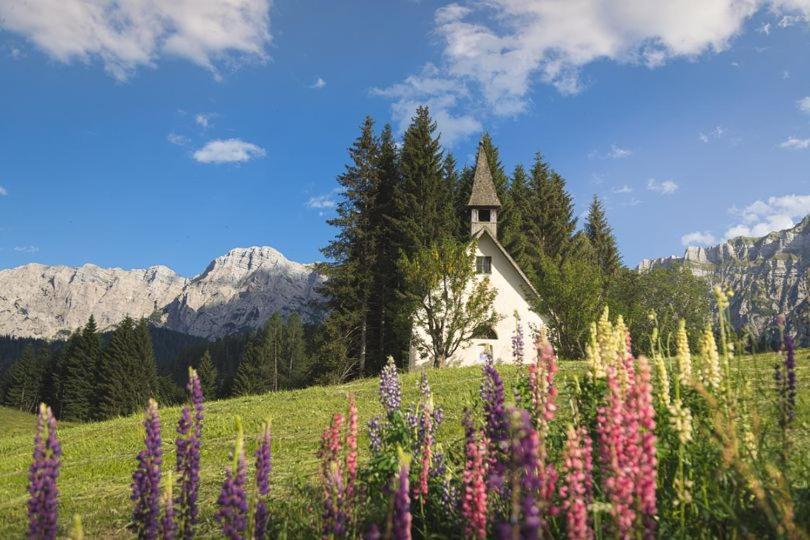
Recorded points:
(94, 376)
(399, 198)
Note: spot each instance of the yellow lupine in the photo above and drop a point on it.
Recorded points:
(710, 358)
(684, 357)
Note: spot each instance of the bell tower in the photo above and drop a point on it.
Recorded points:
(484, 203)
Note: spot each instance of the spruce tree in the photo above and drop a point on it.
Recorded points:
(208, 375)
(251, 375)
(294, 350)
(77, 369)
(514, 234)
(352, 253)
(602, 240)
(127, 374)
(25, 381)
(271, 346)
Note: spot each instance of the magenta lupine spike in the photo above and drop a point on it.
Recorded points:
(232, 502)
(576, 492)
(390, 387)
(263, 468)
(146, 478)
(546, 392)
(402, 502)
(43, 493)
(426, 453)
(496, 426)
(334, 508)
(648, 462)
(474, 503)
(351, 449)
(188, 442)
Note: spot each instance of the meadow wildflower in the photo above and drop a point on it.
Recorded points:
(684, 357)
(146, 478)
(680, 420)
(426, 451)
(474, 502)
(168, 527)
(544, 392)
(334, 507)
(390, 387)
(43, 493)
(496, 424)
(710, 360)
(232, 502)
(577, 491)
(187, 443)
(402, 501)
(351, 449)
(263, 467)
(648, 460)
(785, 376)
(663, 381)
(517, 341)
(375, 428)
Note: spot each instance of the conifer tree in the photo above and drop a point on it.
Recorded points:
(25, 382)
(271, 346)
(352, 252)
(602, 240)
(208, 376)
(251, 375)
(77, 369)
(294, 349)
(514, 235)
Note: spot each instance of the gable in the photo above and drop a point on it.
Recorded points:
(505, 265)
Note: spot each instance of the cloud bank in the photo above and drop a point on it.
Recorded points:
(228, 151)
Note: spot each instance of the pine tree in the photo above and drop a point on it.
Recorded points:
(77, 369)
(294, 349)
(251, 376)
(602, 240)
(353, 252)
(208, 375)
(271, 346)
(24, 390)
(514, 236)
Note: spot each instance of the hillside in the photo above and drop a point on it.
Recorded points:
(236, 292)
(99, 458)
(769, 276)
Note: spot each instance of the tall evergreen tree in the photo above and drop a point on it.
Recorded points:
(77, 369)
(251, 375)
(602, 240)
(514, 236)
(294, 350)
(24, 390)
(208, 375)
(271, 346)
(352, 252)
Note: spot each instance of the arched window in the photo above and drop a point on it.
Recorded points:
(485, 332)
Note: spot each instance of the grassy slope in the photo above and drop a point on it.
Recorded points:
(99, 458)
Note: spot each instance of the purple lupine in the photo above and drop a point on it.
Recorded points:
(334, 515)
(390, 387)
(375, 429)
(525, 471)
(146, 478)
(785, 375)
(402, 502)
(43, 493)
(188, 445)
(496, 425)
(517, 342)
(232, 501)
(263, 468)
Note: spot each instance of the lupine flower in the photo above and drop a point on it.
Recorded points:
(232, 502)
(439, 472)
(577, 492)
(785, 375)
(43, 494)
(496, 426)
(526, 521)
(545, 393)
(474, 504)
(188, 444)
(390, 387)
(168, 527)
(334, 510)
(596, 368)
(373, 533)
(146, 478)
(375, 434)
(402, 501)
(710, 359)
(263, 468)
(663, 381)
(684, 357)
(648, 460)
(351, 449)
(680, 419)
(517, 341)
(426, 453)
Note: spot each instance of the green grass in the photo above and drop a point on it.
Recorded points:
(98, 458)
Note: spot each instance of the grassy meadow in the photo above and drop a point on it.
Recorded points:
(98, 458)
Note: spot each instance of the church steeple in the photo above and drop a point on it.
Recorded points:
(484, 202)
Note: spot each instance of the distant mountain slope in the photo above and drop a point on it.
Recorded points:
(769, 276)
(237, 291)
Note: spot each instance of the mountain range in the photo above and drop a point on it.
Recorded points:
(236, 292)
(768, 275)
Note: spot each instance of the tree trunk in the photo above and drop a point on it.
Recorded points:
(439, 360)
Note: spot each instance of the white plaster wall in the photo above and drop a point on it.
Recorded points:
(511, 296)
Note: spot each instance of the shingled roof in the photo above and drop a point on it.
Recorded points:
(483, 188)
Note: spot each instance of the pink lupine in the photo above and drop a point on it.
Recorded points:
(648, 463)
(351, 449)
(334, 511)
(577, 490)
(426, 455)
(474, 503)
(545, 396)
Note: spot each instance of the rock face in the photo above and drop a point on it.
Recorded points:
(237, 291)
(769, 277)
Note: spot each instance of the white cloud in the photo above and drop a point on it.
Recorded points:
(26, 249)
(179, 140)
(321, 202)
(127, 34)
(667, 187)
(698, 238)
(624, 189)
(228, 151)
(3, 191)
(203, 119)
(318, 84)
(440, 94)
(804, 104)
(793, 143)
(774, 214)
(615, 152)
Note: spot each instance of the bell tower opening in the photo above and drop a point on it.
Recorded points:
(484, 202)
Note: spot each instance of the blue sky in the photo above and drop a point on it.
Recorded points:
(168, 134)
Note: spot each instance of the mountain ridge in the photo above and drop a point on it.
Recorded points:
(235, 292)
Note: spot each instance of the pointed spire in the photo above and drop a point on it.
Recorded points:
(483, 188)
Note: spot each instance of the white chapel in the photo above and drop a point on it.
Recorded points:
(515, 293)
